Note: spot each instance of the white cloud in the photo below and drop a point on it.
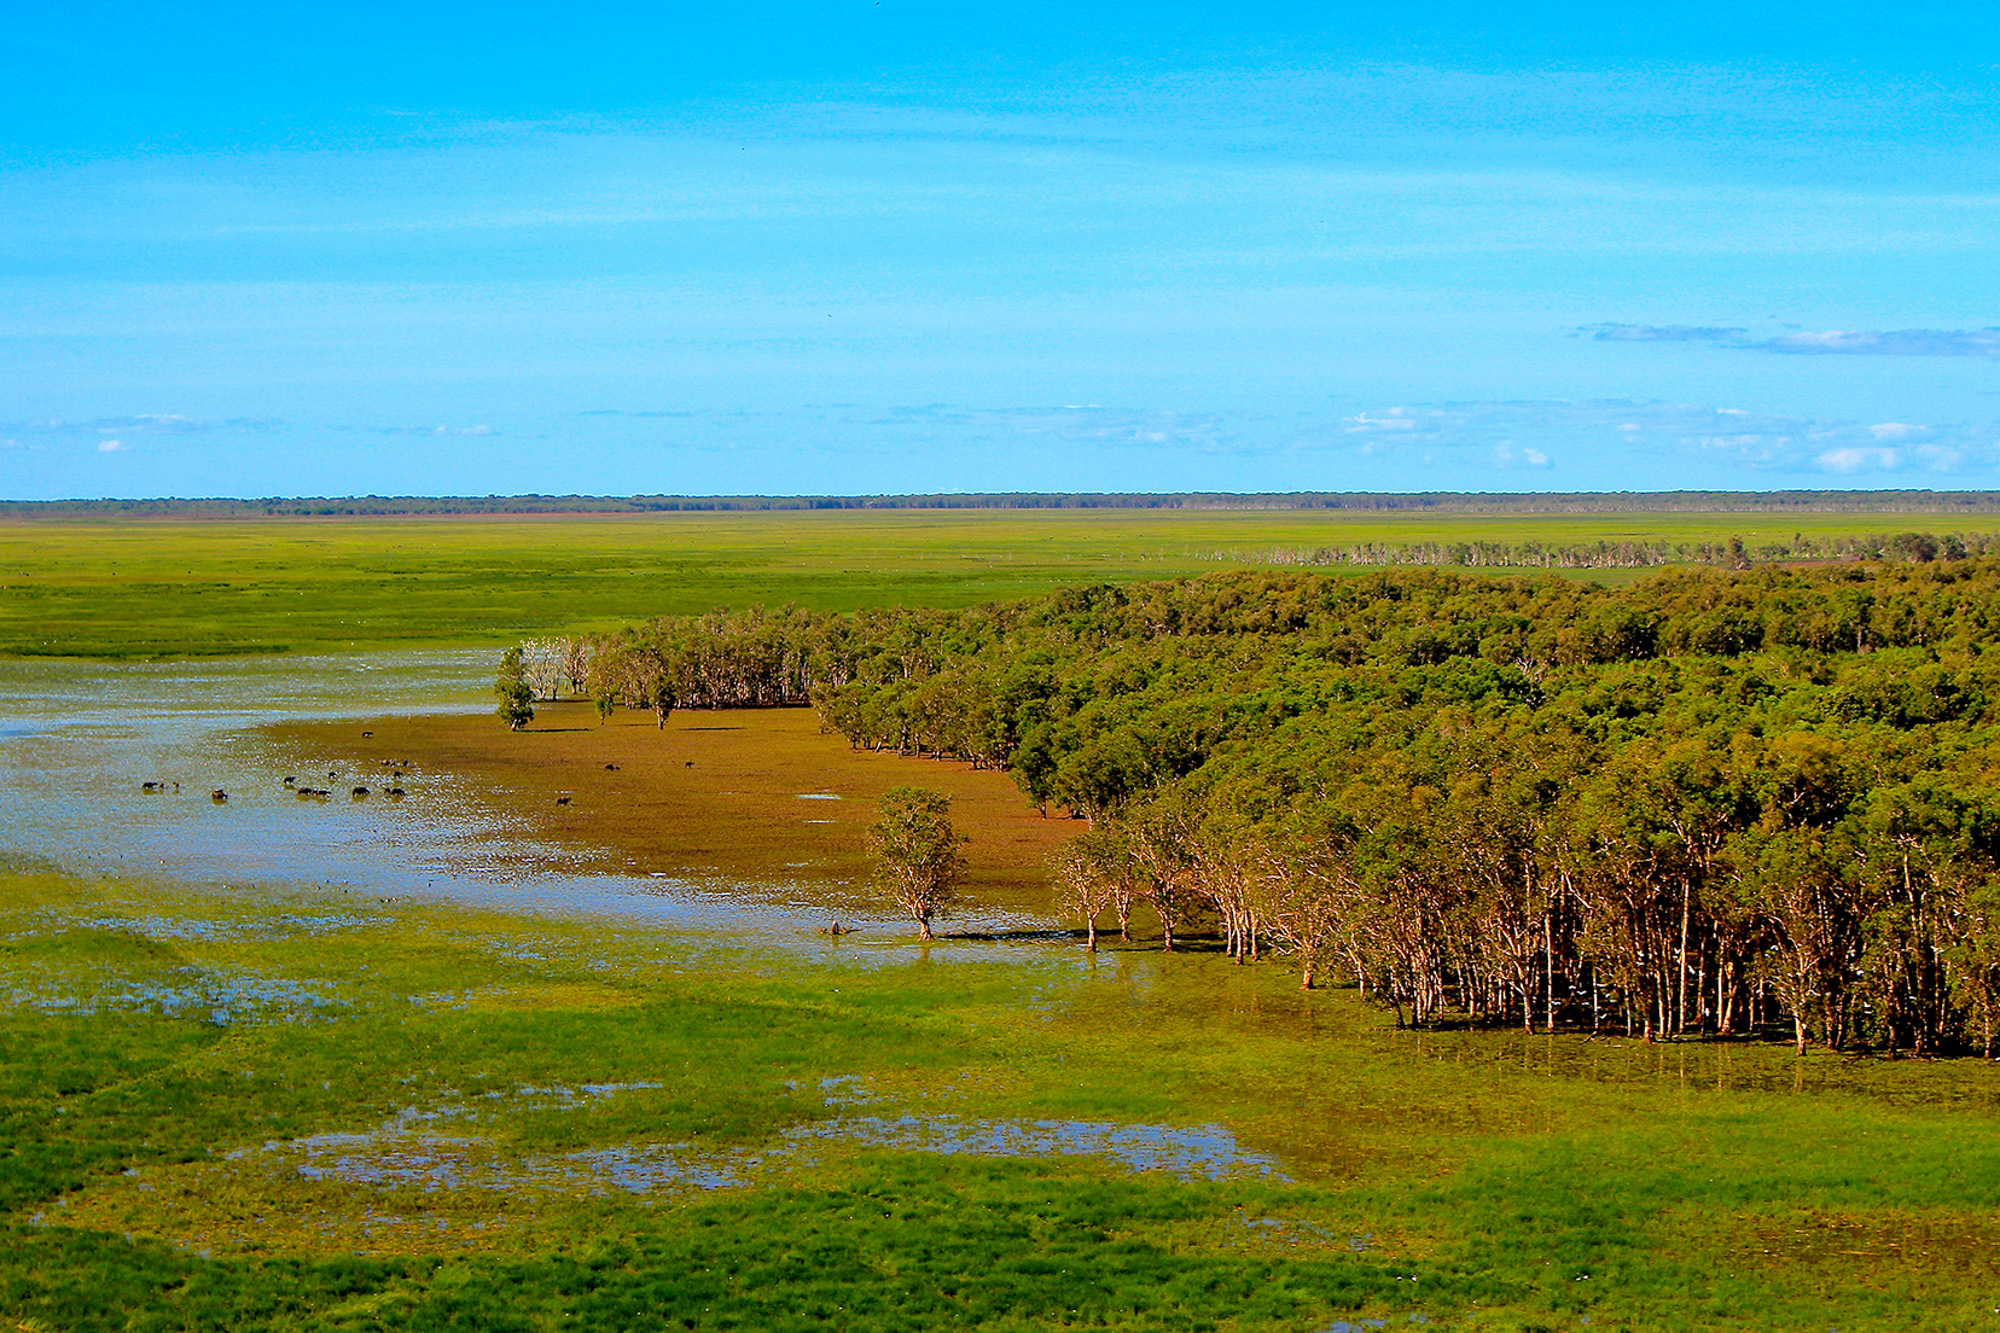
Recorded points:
(1661, 333)
(110, 446)
(1814, 342)
(1150, 428)
(1855, 460)
(1391, 419)
(142, 423)
(1891, 342)
(1535, 433)
(1506, 455)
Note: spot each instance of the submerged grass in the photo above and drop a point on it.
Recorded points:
(142, 588)
(505, 1123)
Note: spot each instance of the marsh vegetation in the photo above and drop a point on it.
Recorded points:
(325, 1112)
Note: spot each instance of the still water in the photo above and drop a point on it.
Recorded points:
(78, 741)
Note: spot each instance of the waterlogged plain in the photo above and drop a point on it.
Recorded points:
(734, 799)
(311, 1112)
(471, 1059)
(138, 588)
(84, 740)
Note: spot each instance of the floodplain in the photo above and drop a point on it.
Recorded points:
(473, 1059)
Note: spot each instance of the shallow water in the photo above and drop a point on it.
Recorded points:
(438, 1147)
(1207, 1152)
(429, 1161)
(79, 740)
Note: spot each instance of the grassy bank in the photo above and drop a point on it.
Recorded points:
(150, 588)
(225, 1112)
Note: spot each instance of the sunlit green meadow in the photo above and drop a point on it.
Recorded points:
(148, 588)
(230, 1109)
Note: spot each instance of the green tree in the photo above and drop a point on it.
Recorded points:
(517, 696)
(918, 864)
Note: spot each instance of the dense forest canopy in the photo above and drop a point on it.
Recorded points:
(1707, 802)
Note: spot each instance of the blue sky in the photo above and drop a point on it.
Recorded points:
(862, 247)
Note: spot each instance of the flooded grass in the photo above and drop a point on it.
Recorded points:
(494, 1121)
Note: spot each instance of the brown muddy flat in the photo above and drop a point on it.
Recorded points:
(737, 795)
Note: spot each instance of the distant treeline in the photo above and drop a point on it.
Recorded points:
(1708, 802)
(1442, 502)
(1733, 553)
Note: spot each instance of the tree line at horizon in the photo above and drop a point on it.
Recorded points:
(1710, 802)
(1526, 503)
(1627, 553)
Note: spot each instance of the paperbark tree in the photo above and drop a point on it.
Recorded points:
(918, 864)
(1088, 872)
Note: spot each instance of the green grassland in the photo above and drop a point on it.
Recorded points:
(172, 1063)
(154, 588)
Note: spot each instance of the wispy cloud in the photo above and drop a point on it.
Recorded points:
(1860, 460)
(1661, 333)
(1895, 342)
(1806, 342)
(1094, 425)
(1537, 433)
(435, 432)
(143, 423)
(127, 434)
(1115, 426)
(1579, 441)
